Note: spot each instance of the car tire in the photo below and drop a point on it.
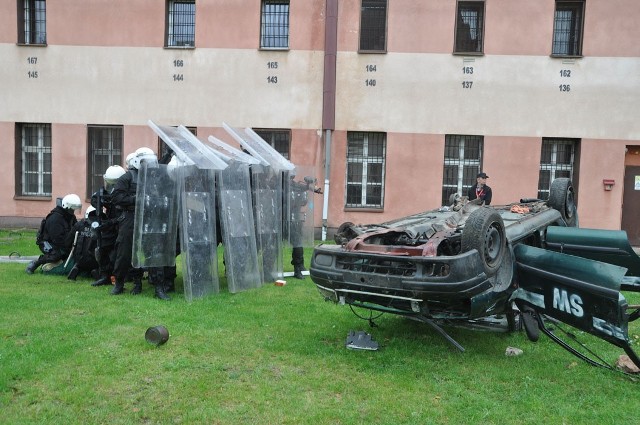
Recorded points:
(561, 198)
(344, 233)
(484, 231)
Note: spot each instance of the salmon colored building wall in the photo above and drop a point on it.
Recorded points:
(105, 64)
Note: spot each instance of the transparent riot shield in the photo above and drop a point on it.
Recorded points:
(267, 189)
(259, 148)
(236, 218)
(298, 215)
(187, 147)
(155, 222)
(196, 176)
(266, 186)
(198, 231)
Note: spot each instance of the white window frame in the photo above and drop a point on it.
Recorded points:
(364, 181)
(41, 150)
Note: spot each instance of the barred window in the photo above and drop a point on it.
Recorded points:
(104, 150)
(278, 139)
(567, 28)
(181, 23)
(469, 27)
(32, 22)
(366, 153)
(462, 163)
(556, 160)
(373, 26)
(33, 159)
(274, 24)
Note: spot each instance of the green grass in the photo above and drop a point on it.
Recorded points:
(70, 353)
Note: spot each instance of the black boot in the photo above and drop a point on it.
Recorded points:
(169, 285)
(297, 272)
(118, 288)
(160, 292)
(73, 273)
(137, 286)
(104, 280)
(31, 267)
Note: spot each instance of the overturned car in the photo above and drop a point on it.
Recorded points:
(527, 262)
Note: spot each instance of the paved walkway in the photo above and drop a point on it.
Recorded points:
(17, 258)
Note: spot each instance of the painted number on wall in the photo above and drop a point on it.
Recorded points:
(565, 73)
(272, 79)
(178, 76)
(467, 71)
(370, 82)
(32, 60)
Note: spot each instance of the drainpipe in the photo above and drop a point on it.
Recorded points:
(329, 98)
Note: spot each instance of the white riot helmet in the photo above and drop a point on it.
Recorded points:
(112, 174)
(142, 154)
(127, 161)
(71, 202)
(90, 209)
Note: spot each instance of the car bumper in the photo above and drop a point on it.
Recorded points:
(400, 284)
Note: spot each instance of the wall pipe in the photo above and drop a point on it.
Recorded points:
(329, 99)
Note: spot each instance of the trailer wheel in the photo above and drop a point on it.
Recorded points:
(484, 231)
(561, 198)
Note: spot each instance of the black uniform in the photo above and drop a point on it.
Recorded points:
(84, 248)
(108, 233)
(56, 239)
(298, 198)
(483, 193)
(124, 200)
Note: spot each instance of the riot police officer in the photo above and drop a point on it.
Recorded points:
(124, 200)
(107, 230)
(83, 251)
(54, 235)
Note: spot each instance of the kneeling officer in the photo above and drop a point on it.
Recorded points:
(53, 236)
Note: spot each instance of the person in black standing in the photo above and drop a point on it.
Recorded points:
(107, 230)
(54, 238)
(124, 200)
(298, 199)
(480, 190)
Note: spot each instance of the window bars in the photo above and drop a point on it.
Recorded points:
(35, 158)
(567, 28)
(469, 27)
(105, 149)
(32, 25)
(373, 25)
(366, 154)
(274, 24)
(181, 23)
(462, 162)
(556, 160)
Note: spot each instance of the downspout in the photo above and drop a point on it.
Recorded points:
(329, 98)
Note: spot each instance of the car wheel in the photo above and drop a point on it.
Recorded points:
(561, 198)
(484, 231)
(344, 233)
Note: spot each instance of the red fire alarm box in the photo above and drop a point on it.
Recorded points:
(608, 183)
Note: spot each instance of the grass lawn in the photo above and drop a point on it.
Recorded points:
(72, 354)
